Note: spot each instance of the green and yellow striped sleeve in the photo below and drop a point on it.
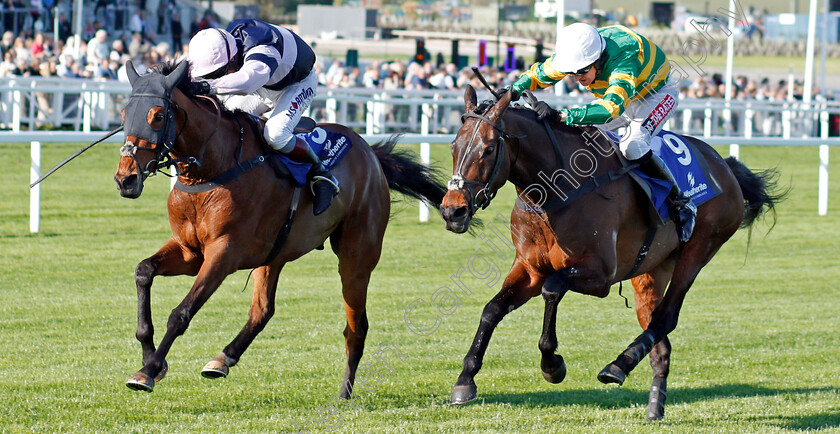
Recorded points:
(620, 90)
(541, 75)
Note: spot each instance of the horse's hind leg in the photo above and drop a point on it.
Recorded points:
(649, 291)
(693, 256)
(170, 260)
(358, 244)
(262, 309)
(519, 287)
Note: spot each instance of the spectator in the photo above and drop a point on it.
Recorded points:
(38, 48)
(65, 28)
(138, 48)
(22, 52)
(97, 49)
(177, 31)
(88, 32)
(68, 67)
(117, 50)
(8, 41)
(138, 25)
(418, 79)
(8, 65)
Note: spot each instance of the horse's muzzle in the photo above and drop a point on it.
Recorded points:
(457, 218)
(130, 186)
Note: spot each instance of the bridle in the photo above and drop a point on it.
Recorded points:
(459, 183)
(164, 142)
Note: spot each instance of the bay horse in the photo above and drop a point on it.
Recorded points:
(236, 225)
(590, 243)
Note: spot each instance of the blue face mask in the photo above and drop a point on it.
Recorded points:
(147, 92)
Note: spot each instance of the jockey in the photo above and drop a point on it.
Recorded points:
(264, 69)
(629, 74)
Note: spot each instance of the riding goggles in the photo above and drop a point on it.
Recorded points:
(583, 71)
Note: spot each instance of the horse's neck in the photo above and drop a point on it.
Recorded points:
(534, 154)
(208, 137)
(537, 159)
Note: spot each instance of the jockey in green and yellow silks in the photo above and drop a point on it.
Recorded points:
(629, 75)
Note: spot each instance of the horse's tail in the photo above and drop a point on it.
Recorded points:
(760, 189)
(407, 175)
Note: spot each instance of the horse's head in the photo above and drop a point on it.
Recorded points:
(149, 125)
(480, 161)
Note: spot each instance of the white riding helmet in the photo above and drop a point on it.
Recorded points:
(583, 47)
(209, 50)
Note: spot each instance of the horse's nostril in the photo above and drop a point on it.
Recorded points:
(129, 182)
(459, 212)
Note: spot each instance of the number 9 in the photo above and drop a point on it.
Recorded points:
(679, 148)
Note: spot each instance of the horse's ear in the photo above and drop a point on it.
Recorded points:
(131, 72)
(499, 108)
(176, 76)
(470, 99)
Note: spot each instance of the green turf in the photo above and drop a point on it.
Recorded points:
(756, 349)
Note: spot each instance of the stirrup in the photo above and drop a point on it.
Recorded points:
(319, 178)
(684, 215)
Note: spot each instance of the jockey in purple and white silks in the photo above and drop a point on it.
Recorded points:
(264, 69)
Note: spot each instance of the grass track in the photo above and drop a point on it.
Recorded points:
(756, 349)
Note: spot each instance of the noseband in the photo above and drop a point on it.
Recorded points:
(459, 183)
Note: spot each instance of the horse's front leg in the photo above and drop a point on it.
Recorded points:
(518, 288)
(262, 309)
(213, 271)
(171, 260)
(552, 365)
(585, 278)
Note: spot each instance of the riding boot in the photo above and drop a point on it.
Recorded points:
(324, 185)
(681, 208)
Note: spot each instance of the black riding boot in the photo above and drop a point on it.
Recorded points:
(682, 209)
(324, 184)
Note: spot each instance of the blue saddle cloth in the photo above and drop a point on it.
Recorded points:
(329, 145)
(690, 170)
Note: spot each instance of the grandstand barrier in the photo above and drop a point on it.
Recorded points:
(85, 105)
(36, 138)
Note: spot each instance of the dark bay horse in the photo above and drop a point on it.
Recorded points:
(235, 226)
(590, 243)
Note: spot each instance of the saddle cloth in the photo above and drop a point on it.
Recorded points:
(329, 145)
(690, 170)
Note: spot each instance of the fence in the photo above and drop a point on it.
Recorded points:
(35, 138)
(84, 104)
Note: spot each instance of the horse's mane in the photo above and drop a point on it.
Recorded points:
(167, 66)
(527, 112)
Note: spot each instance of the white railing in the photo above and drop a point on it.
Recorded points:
(35, 138)
(84, 105)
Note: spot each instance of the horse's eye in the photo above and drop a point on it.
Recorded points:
(159, 116)
(489, 150)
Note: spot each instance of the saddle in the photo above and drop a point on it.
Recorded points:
(304, 126)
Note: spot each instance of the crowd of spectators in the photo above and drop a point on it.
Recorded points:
(105, 49)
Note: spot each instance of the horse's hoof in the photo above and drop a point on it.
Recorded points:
(141, 382)
(162, 373)
(557, 375)
(612, 374)
(463, 394)
(217, 367)
(653, 416)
